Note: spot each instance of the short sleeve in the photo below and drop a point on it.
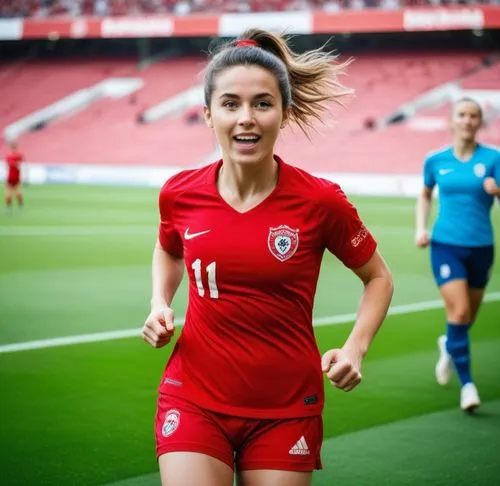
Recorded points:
(169, 238)
(429, 178)
(345, 234)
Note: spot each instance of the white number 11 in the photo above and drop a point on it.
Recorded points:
(212, 284)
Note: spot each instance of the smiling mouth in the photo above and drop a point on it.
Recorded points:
(247, 139)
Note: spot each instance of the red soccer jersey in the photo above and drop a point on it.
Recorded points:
(13, 164)
(248, 348)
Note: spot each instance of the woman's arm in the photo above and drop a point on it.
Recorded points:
(167, 273)
(375, 301)
(424, 204)
(343, 366)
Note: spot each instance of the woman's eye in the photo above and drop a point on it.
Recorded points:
(263, 104)
(230, 104)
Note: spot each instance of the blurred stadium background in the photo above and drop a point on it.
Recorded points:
(104, 99)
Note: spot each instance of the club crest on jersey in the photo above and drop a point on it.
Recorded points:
(480, 170)
(172, 421)
(283, 242)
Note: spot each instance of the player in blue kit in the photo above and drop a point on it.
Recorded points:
(467, 175)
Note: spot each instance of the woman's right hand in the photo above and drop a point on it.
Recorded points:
(422, 239)
(159, 327)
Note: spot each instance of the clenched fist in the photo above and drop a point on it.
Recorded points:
(342, 367)
(159, 327)
(490, 186)
(422, 239)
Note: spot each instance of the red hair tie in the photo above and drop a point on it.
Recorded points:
(246, 43)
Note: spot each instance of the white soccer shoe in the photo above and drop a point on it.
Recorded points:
(469, 398)
(443, 366)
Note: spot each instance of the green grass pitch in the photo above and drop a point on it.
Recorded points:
(76, 260)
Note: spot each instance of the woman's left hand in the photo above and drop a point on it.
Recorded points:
(342, 367)
(490, 186)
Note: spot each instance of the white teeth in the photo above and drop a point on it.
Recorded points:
(247, 139)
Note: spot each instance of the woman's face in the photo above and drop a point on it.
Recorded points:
(466, 120)
(246, 113)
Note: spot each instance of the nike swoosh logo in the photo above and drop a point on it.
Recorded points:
(445, 171)
(190, 236)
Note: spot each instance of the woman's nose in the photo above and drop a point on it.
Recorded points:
(246, 115)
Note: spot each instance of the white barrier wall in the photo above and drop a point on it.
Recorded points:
(113, 175)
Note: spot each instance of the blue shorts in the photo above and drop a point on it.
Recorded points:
(451, 262)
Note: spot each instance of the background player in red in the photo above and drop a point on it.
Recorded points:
(13, 180)
(244, 390)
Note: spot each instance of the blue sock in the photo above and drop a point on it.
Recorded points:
(457, 345)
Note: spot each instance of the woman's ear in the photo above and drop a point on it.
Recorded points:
(208, 117)
(286, 116)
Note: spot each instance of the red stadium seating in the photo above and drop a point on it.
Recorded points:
(27, 87)
(108, 133)
(383, 83)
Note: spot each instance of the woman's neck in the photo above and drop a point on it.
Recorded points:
(245, 181)
(464, 149)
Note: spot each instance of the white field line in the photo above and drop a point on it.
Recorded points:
(128, 333)
(396, 310)
(75, 230)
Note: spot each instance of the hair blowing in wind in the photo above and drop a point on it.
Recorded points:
(308, 82)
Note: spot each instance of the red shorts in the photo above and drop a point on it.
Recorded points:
(12, 182)
(283, 444)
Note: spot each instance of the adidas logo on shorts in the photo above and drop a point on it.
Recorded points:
(300, 448)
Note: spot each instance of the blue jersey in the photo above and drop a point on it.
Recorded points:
(464, 207)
